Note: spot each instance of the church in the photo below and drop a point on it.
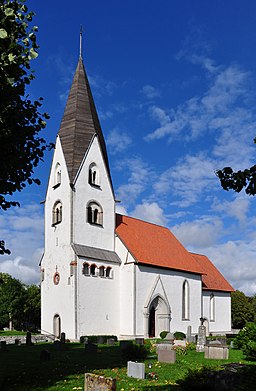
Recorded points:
(103, 273)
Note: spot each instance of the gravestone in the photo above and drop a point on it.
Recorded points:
(98, 383)
(139, 341)
(216, 351)
(100, 339)
(166, 355)
(17, 341)
(164, 346)
(91, 347)
(3, 346)
(28, 339)
(62, 338)
(136, 370)
(201, 340)
(111, 341)
(45, 355)
(169, 338)
(189, 334)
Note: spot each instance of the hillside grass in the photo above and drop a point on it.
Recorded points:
(22, 370)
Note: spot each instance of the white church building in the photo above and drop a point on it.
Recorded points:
(104, 273)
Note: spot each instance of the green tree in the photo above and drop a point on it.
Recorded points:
(19, 303)
(12, 299)
(241, 310)
(238, 180)
(20, 118)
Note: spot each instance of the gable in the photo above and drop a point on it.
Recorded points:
(154, 245)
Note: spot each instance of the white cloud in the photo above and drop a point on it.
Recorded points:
(118, 141)
(23, 231)
(150, 92)
(221, 109)
(189, 179)
(238, 208)
(199, 233)
(150, 212)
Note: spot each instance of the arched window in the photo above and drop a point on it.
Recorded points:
(86, 269)
(94, 213)
(57, 213)
(94, 175)
(185, 300)
(102, 271)
(212, 307)
(57, 175)
(93, 270)
(108, 272)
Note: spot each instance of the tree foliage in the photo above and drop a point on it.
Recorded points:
(241, 309)
(238, 180)
(19, 303)
(20, 118)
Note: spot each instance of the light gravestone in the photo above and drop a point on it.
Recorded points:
(166, 353)
(201, 341)
(98, 383)
(136, 370)
(189, 334)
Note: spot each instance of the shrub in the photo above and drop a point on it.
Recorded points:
(179, 335)
(250, 350)
(135, 352)
(180, 350)
(248, 333)
(163, 334)
(191, 346)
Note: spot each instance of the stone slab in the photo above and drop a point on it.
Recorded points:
(94, 382)
(217, 352)
(168, 356)
(136, 370)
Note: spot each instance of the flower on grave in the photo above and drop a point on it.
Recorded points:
(152, 376)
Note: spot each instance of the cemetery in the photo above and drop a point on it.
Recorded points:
(104, 363)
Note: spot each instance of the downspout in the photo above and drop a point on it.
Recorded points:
(134, 299)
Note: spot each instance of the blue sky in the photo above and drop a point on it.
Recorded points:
(174, 86)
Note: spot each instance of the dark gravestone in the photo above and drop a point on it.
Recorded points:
(28, 339)
(17, 341)
(3, 346)
(111, 341)
(62, 338)
(139, 341)
(100, 339)
(91, 347)
(45, 355)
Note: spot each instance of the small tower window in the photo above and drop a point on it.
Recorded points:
(94, 177)
(108, 272)
(94, 213)
(86, 269)
(57, 175)
(93, 270)
(57, 213)
(102, 271)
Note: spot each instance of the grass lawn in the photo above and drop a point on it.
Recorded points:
(11, 333)
(22, 370)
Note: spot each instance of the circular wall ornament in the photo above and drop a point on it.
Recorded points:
(56, 278)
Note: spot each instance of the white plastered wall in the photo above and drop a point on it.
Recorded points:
(221, 322)
(98, 300)
(85, 233)
(58, 299)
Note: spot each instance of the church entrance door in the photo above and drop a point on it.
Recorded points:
(152, 323)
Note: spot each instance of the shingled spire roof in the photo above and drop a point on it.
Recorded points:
(80, 123)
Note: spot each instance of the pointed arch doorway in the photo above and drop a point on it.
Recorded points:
(158, 317)
(56, 325)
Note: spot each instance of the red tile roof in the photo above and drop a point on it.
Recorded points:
(212, 279)
(154, 245)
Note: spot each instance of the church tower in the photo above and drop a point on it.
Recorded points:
(79, 221)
